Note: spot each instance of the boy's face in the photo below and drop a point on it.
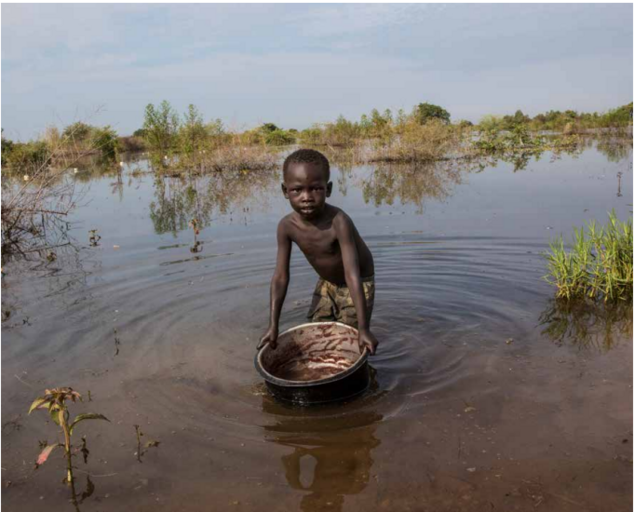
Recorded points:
(306, 188)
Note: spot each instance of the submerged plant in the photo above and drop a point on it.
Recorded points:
(599, 264)
(54, 401)
(142, 449)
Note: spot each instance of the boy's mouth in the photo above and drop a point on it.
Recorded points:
(308, 209)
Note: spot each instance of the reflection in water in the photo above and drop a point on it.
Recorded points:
(411, 183)
(331, 446)
(586, 324)
(181, 199)
(615, 149)
(331, 456)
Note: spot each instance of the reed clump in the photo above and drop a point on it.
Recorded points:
(598, 264)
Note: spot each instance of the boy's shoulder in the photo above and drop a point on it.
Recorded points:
(286, 220)
(339, 217)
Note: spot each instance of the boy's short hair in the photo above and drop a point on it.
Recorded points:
(307, 156)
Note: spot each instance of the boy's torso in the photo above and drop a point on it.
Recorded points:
(319, 243)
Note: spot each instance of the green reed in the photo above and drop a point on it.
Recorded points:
(598, 265)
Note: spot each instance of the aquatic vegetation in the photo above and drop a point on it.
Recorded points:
(106, 141)
(54, 401)
(160, 127)
(417, 142)
(141, 450)
(94, 238)
(197, 246)
(598, 264)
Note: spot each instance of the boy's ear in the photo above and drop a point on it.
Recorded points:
(284, 191)
(329, 189)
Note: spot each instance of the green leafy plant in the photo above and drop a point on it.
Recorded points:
(160, 127)
(425, 112)
(598, 265)
(55, 402)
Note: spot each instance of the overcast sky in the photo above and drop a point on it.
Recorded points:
(295, 65)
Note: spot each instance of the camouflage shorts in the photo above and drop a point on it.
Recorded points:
(332, 303)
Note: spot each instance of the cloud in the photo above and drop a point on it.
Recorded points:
(298, 64)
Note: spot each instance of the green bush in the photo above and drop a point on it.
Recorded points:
(160, 127)
(105, 141)
(425, 112)
(78, 132)
(278, 138)
(192, 134)
(26, 156)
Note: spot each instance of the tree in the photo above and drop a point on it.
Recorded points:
(106, 141)
(161, 126)
(78, 131)
(192, 134)
(268, 128)
(424, 112)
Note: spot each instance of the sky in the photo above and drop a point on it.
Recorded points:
(299, 64)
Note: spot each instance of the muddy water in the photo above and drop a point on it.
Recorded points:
(484, 396)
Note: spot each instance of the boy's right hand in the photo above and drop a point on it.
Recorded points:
(269, 337)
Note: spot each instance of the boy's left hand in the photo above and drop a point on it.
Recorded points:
(367, 339)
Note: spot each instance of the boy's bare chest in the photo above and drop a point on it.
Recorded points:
(316, 243)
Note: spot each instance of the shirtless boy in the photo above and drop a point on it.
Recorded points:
(331, 244)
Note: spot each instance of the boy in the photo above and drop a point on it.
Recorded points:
(331, 244)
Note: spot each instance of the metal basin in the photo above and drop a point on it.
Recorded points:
(315, 363)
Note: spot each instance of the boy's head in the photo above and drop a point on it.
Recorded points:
(306, 182)
(307, 156)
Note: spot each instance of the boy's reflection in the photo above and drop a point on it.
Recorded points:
(331, 455)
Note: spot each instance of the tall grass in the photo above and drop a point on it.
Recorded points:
(599, 264)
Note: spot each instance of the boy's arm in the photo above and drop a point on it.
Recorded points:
(352, 272)
(279, 285)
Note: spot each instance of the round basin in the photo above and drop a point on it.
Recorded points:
(315, 363)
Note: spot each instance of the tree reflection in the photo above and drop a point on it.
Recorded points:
(180, 199)
(615, 150)
(586, 324)
(412, 184)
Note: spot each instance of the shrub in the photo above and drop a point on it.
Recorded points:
(77, 132)
(417, 143)
(160, 127)
(278, 138)
(131, 144)
(425, 112)
(105, 140)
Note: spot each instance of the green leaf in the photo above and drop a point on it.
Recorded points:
(37, 403)
(44, 454)
(54, 412)
(87, 416)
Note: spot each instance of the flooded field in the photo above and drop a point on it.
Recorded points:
(485, 395)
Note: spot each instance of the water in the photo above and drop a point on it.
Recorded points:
(483, 396)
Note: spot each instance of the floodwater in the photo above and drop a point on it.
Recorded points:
(484, 394)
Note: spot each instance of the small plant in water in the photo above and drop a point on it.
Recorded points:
(197, 245)
(599, 264)
(94, 238)
(142, 449)
(54, 401)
